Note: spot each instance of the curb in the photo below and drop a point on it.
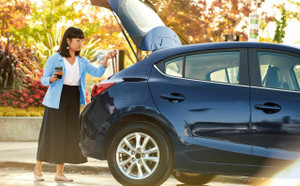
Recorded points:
(47, 167)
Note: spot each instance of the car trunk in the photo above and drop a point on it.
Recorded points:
(142, 23)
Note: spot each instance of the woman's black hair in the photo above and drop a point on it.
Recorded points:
(71, 32)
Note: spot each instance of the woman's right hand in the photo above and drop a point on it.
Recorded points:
(53, 78)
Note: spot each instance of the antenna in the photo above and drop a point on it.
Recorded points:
(126, 37)
(183, 39)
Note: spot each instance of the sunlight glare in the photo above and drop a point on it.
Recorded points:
(290, 176)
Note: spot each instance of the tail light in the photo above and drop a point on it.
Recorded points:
(101, 87)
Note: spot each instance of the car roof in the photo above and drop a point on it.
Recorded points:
(164, 53)
(142, 68)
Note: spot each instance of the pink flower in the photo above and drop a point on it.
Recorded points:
(36, 96)
(30, 100)
(15, 103)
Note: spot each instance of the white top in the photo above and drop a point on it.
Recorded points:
(72, 76)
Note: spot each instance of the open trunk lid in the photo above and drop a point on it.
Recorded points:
(142, 23)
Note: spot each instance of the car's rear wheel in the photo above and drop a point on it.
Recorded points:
(140, 154)
(189, 178)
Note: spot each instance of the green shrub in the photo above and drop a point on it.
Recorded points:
(13, 112)
(42, 112)
(34, 114)
(10, 114)
(22, 113)
(32, 108)
(6, 109)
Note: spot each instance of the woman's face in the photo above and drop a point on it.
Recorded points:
(75, 43)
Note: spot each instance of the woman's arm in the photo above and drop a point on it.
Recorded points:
(99, 71)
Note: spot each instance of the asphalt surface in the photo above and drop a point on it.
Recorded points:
(17, 160)
(18, 177)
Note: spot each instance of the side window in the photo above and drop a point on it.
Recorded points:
(279, 71)
(297, 73)
(218, 67)
(227, 75)
(174, 67)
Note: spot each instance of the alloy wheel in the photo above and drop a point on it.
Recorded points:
(137, 155)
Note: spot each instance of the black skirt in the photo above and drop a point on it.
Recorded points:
(59, 134)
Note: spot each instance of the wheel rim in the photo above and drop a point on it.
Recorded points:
(137, 155)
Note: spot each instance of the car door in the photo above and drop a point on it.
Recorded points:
(205, 96)
(275, 106)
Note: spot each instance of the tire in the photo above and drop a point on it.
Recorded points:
(149, 162)
(193, 179)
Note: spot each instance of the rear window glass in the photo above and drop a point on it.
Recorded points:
(174, 67)
(227, 75)
(218, 67)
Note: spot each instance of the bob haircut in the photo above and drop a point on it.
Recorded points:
(71, 32)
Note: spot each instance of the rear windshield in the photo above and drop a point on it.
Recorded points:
(138, 18)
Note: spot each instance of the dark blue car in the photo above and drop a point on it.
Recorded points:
(194, 111)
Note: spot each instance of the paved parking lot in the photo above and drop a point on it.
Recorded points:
(18, 177)
(17, 161)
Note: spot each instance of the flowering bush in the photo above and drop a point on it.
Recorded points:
(32, 96)
(16, 62)
(87, 99)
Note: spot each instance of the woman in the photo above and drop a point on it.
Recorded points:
(60, 127)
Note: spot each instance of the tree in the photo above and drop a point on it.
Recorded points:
(294, 14)
(47, 23)
(200, 21)
(13, 15)
(281, 24)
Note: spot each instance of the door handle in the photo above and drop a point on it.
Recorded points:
(173, 97)
(268, 108)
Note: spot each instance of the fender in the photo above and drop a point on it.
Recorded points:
(135, 113)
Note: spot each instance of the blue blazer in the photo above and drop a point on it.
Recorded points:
(52, 97)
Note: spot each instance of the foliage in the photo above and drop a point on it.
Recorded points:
(31, 96)
(29, 112)
(22, 113)
(294, 14)
(49, 21)
(16, 62)
(281, 24)
(43, 21)
(35, 114)
(87, 99)
(10, 114)
(200, 21)
(13, 15)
